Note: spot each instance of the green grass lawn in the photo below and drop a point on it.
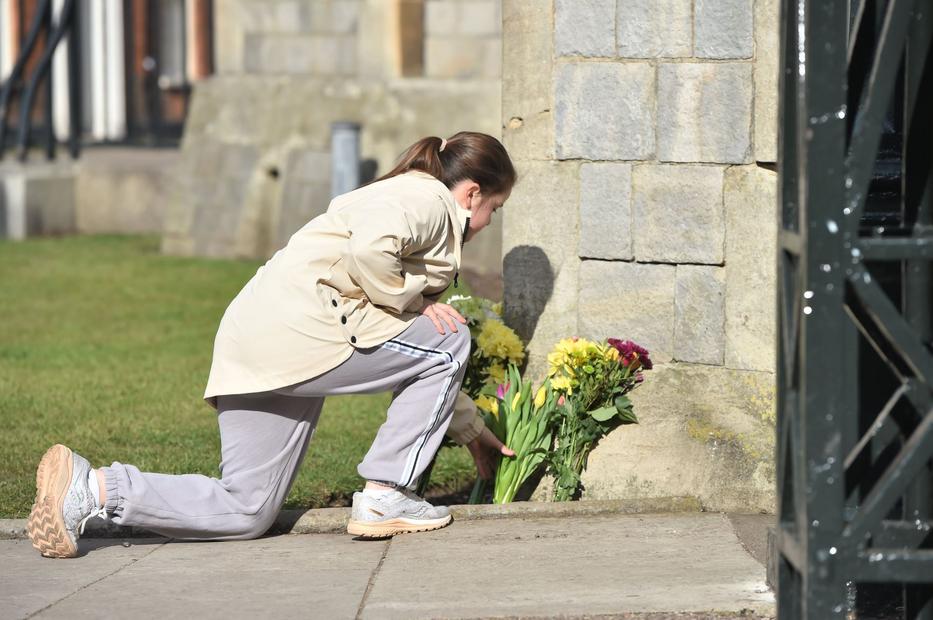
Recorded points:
(105, 346)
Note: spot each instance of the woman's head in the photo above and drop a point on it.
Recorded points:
(474, 166)
(467, 155)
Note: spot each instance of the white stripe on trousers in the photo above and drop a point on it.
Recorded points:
(417, 351)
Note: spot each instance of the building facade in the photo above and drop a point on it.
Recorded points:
(256, 152)
(137, 60)
(645, 138)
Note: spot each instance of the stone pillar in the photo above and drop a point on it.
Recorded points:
(643, 212)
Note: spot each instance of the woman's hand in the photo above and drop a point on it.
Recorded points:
(441, 314)
(485, 450)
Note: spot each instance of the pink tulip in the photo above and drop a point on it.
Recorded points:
(502, 389)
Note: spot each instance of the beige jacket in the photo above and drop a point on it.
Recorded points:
(355, 276)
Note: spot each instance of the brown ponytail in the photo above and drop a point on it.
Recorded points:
(467, 155)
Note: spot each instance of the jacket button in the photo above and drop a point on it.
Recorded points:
(353, 339)
(343, 320)
(333, 302)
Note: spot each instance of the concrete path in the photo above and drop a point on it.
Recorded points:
(607, 565)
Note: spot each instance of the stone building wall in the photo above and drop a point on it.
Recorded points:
(645, 134)
(463, 38)
(256, 150)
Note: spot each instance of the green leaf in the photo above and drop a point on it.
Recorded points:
(603, 413)
(622, 403)
(628, 417)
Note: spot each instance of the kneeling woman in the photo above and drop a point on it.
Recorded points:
(348, 306)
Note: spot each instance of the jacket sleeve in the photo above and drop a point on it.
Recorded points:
(466, 424)
(380, 235)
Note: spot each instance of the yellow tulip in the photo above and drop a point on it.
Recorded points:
(540, 396)
(515, 400)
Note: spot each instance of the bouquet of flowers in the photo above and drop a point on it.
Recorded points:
(593, 378)
(522, 423)
(494, 347)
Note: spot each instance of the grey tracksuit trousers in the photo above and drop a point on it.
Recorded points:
(264, 437)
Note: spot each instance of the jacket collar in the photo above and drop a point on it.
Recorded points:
(459, 217)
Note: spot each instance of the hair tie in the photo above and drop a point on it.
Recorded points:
(443, 144)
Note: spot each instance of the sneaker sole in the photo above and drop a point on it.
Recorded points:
(391, 527)
(46, 526)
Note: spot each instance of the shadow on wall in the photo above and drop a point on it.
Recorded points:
(529, 283)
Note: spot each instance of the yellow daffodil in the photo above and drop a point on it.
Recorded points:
(498, 341)
(562, 384)
(487, 403)
(497, 373)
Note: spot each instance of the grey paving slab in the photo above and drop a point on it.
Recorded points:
(752, 531)
(547, 567)
(29, 582)
(322, 576)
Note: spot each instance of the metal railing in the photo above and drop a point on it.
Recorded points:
(20, 91)
(855, 365)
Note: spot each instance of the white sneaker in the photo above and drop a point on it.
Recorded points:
(397, 512)
(64, 503)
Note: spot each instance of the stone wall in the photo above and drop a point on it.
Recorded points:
(644, 134)
(463, 38)
(256, 151)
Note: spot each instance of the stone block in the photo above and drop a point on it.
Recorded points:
(229, 34)
(584, 28)
(441, 18)
(527, 43)
(481, 18)
(334, 16)
(37, 199)
(308, 166)
(277, 54)
(333, 55)
(212, 208)
(767, 50)
(540, 265)
(308, 54)
(703, 431)
(654, 28)
(604, 111)
(446, 57)
(750, 197)
(723, 29)
(678, 214)
(492, 59)
(704, 112)
(633, 301)
(288, 16)
(699, 334)
(124, 191)
(606, 211)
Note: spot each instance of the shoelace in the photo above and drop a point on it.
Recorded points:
(99, 512)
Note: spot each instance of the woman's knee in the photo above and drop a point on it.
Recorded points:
(254, 525)
(459, 344)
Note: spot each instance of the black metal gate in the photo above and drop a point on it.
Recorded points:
(855, 370)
